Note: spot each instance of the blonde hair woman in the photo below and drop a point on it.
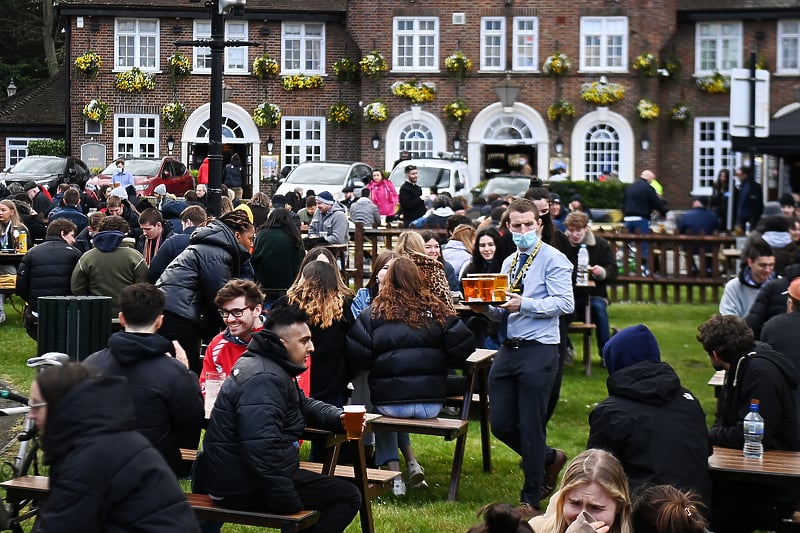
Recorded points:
(9, 219)
(594, 482)
(410, 244)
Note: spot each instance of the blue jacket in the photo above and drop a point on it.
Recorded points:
(73, 214)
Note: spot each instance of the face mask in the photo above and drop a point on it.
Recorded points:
(525, 240)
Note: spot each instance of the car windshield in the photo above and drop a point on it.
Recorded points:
(137, 167)
(504, 186)
(318, 174)
(38, 165)
(427, 177)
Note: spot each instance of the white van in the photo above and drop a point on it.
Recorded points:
(331, 176)
(447, 175)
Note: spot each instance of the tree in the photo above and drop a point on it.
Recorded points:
(22, 42)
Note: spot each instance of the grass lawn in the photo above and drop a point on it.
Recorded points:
(675, 327)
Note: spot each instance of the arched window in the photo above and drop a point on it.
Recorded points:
(601, 151)
(230, 129)
(417, 139)
(508, 127)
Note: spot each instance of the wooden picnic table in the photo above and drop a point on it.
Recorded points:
(777, 467)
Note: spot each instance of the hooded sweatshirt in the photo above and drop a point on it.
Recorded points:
(651, 423)
(166, 394)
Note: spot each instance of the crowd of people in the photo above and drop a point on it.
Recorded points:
(256, 295)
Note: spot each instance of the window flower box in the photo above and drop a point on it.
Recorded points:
(134, 80)
(417, 92)
(602, 93)
(715, 84)
(301, 81)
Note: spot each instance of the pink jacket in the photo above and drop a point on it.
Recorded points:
(384, 195)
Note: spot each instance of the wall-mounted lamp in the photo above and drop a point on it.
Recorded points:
(507, 92)
(376, 141)
(645, 141)
(177, 28)
(11, 89)
(270, 144)
(227, 91)
(170, 144)
(558, 146)
(457, 143)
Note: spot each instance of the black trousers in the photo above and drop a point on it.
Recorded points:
(177, 328)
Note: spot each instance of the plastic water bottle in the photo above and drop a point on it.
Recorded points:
(583, 267)
(753, 432)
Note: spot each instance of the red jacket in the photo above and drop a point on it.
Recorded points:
(202, 173)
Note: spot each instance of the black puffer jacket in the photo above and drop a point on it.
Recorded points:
(104, 475)
(46, 270)
(655, 427)
(169, 407)
(259, 415)
(407, 365)
(770, 300)
(771, 378)
(192, 280)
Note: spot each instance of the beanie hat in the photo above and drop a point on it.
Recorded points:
(160, 189)
(630, 346)
(119, 192)
(325, 197)
(30, 185)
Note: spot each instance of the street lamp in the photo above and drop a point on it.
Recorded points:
(270, 144)
(558, 146)
(376, 141)
(645, 142)
(507, 92)
(457, 143)
(227, 91)
(11, 89)
(170, 144)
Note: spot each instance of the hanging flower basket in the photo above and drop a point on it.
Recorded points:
(340, 115)
(376, 112)
(557, 64)
(457, 64)
(646, 65)
(173, 114)
(265, 67)
(301, 81)
(96, 110)
(180, 66)
(134, 80)
(373, 65)
(647, 110)
(346, 69)
(602, 94)
(671, 68)
(681, 113)
(88, 64)
(559, 111)
(267, 114)
(715, 84)
(417, 92)
(457, 111)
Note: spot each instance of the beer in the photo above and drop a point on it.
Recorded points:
(354, 421)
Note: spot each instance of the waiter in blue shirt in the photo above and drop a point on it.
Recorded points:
(122, 178)
(524, 370)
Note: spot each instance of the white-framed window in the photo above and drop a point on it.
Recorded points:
(303, 48)
(303, 140)
(415, 44)
(718, 47)
(16, 149)
(601, 149)
(789, 46)
(493, 43)
(135, 135)
(526, 44)
(235, 57)
(137, 44)
(417, 139)
(604, 44)
(712, 151)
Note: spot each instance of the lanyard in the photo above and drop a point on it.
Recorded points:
(516, 283)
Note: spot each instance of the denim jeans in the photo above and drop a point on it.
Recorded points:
(520, 381)
(387, 442)
(641, 227)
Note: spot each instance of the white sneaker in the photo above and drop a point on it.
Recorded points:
(399, 487)
(416, 474)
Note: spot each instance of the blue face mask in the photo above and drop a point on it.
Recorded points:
(525, 241)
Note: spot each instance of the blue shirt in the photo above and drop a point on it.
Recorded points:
(546, 294)
(124, 178)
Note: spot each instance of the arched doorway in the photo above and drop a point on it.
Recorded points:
(419, 132)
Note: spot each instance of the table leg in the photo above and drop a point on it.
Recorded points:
(360, 474)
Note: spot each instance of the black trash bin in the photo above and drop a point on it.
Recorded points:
(74, 325)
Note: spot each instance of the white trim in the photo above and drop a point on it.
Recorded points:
(604, 34)
(138, 35)
(431, 121)
(416, 33)
(785, 110)
(627, 144)
(304, 41)
(501, 33)
(534, 66)
(535, 122)
(779, 37)
(698, 71)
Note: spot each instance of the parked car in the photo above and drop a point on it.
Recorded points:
(503, 184)
(331, 176)
(149, 173)
(49, 170)
(447, 175)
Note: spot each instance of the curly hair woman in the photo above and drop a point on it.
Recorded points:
(410, 244)
(407, 339)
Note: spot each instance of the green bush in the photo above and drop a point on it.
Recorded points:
(47, 147)
(606, 195)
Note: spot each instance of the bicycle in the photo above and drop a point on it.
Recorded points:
(26, 461)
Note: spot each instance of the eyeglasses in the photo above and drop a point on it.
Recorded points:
(225, 313)
(36, 405)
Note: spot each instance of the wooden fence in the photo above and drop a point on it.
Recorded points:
(679, 268)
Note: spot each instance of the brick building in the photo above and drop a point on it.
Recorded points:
(507, 42)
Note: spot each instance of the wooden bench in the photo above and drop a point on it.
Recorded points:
(585, 328)
(37, 488)
(449, 428)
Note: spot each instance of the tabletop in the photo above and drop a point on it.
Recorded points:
(777, 466)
